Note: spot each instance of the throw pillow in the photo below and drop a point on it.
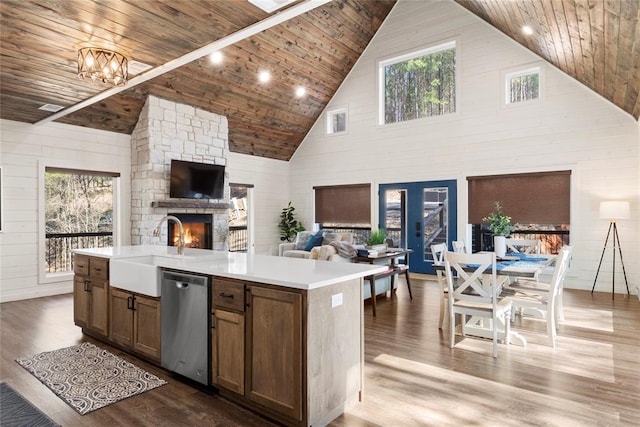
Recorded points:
(315, 240)
(302, 238)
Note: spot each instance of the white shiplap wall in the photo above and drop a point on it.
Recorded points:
(571, 127)
(25, 151)
(269, 195)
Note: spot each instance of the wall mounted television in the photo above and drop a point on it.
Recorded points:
(192, 180)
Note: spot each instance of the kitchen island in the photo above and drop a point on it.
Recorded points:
(286, 334)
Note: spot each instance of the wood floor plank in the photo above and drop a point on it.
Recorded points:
(412, 377)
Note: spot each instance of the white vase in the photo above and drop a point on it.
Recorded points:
(500, 245)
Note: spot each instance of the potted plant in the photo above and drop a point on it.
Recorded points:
(289, 225)
(377, 241)
(500, 227)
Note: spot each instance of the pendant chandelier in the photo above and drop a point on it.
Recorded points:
(102, 65)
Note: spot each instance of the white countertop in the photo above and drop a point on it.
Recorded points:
(282, 271)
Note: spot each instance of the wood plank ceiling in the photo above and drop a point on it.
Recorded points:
(594, 41)
(597, 42)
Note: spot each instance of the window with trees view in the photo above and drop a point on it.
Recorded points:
(523, 86)
(78, 214)
(419, 84)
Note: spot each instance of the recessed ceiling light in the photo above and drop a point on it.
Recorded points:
(300, 91)
(264, 76)
(270, 5)
(53, 108)
(216, 57)
(527, 30)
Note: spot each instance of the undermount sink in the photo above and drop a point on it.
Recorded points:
(136, 274)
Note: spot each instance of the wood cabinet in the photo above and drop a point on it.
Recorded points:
(274, 350)
(135, 322)
(228, 334)
(257, 346)
(90, 293)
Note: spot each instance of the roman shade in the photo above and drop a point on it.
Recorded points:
(528, 198)
(343, 204)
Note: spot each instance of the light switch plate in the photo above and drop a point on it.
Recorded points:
(336, 300)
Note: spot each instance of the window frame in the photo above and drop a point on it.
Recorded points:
(329, 122)
(528, 69)
(415, 53)
(44, 277)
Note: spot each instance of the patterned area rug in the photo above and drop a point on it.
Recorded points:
(16, 411)
(88, 377)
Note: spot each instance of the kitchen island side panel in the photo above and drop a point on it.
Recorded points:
(334, 350)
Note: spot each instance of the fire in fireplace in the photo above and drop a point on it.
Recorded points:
(197, 228)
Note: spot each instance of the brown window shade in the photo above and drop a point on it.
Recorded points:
(528, 198)
(347, 204)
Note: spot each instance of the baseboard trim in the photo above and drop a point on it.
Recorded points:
(8, 295)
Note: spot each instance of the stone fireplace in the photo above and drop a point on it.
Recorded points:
(165, 131)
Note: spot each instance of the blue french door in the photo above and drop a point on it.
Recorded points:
(417, 215)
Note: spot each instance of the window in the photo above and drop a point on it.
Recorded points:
(336, 121)
(419, 84)
(78, 214)
(344, 208)
(522, 86)
(538, 204)
(236, 230)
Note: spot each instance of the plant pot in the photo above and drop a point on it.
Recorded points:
(500, 245)
(382, 248)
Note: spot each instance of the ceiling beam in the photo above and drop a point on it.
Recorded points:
(247, 32)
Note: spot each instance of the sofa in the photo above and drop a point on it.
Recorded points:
(328, 248)
(317, 245)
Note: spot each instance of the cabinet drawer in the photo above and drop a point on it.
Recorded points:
(228, 294)
(99, 268)
(81, 265)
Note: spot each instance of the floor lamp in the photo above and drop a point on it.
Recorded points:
(613, 210)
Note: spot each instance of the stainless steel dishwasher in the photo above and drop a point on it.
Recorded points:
(184, 307)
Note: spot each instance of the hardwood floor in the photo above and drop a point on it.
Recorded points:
(412, 377)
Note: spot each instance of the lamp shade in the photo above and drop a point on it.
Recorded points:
(614, 210)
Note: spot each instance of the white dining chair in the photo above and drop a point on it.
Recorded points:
(437, 251)
(545, 299)
(477, 294)
(459, 246)
(536, 286)
(526, 246)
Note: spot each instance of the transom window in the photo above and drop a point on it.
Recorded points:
(336, 121)
(418, 84)
(522, 86)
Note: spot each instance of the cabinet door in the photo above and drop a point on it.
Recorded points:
(121, 318)
(99, 307)
(80, 301)
(274, 360)
(229, 348)
(146, 326)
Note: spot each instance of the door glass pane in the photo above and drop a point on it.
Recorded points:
(394, 216)
(235, 232)
(435, 214)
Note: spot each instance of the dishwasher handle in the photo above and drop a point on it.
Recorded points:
(182, 285)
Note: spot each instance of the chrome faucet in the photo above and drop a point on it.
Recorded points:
(156, 232)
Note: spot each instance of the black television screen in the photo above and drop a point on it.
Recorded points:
(191, 180)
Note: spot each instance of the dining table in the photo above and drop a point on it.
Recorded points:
(509, 267)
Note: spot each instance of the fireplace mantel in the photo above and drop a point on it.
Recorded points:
(196, 204)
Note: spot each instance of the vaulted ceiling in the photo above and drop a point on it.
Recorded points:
(594, 41)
